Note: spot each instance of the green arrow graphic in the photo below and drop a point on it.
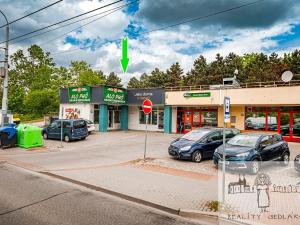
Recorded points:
(124, 60)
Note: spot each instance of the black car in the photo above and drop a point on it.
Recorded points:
(247, 150)
(199, 144)
(297, 163)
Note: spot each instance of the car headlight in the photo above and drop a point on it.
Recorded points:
(242, 155)
(184, 149)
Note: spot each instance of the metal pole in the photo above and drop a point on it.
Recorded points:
(224, 158)
(61, 127)
(146, 131)
(5, 81)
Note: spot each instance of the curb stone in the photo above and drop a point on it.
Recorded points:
(114, 193)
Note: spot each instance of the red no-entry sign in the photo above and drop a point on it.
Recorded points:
(147, 106)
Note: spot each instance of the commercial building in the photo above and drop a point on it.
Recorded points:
(271, 107)
(114, 108)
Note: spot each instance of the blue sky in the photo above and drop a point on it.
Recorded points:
(267, 26)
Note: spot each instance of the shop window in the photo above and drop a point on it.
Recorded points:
(255, 121)
(209, 118)
(196, 119)
(142, 118)
(273, 121)
(117, 116)
(154, 117)
(161, 120)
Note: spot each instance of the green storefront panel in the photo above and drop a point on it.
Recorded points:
(113, 95)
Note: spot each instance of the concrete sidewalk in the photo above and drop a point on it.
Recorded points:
(171, 188)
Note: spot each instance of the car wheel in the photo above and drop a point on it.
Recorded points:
(197, 157)
(45, 135)
(67, 138)
(254, 166)
(285, 159)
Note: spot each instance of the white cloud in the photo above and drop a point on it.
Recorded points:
(160, 49)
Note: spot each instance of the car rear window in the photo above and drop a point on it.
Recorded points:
(79, 124)
(195, 135)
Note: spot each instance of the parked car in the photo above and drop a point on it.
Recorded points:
(199, 144)
(247, 150)
(297, 163)
(90, 126)
(73, 129)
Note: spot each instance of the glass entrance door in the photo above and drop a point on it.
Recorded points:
(188, 121)
(110, 118)
(285, 125)
(296, 126)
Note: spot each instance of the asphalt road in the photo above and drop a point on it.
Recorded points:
(34, 199)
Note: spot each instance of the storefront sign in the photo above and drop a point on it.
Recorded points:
(114, 95)
(196, 95)
(137, 96)
(226, 109)
(80, 94)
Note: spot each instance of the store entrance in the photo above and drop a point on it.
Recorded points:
(113, 118)
(290, 126)
(190, 119)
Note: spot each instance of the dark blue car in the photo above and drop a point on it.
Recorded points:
(199, 144)
(247, 150)
(72, 130)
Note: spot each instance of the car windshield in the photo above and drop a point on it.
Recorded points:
(89, 122)
(244, 140)
(79, 124)
(195, 135)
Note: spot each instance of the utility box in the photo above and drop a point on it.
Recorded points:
(29, 136)
(230, 81)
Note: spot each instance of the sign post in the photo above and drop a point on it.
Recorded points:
(147, 108)
(61, 127)
(226, 120)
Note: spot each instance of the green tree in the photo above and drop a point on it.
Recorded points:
(216, 71)
(144, 80)
(292, 61)
(134, 83)
(113, 80)
(33, 72)
(174, 76)
(198, 74)
(41, 102)
(157, 78)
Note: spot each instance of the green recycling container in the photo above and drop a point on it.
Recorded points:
(29, 136)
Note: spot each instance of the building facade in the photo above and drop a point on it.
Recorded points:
(272, 107)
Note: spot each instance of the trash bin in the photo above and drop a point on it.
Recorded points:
(8, 137)
(29, 136)
(10, 124)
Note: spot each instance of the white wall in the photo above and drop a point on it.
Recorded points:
(84, 111)
(133, 120)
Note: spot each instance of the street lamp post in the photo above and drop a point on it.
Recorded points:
(5, 81)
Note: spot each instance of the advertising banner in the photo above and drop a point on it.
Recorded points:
(114, 95)
(79, 94)
(197, 95)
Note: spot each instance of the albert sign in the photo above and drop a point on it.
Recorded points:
(147, 106)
